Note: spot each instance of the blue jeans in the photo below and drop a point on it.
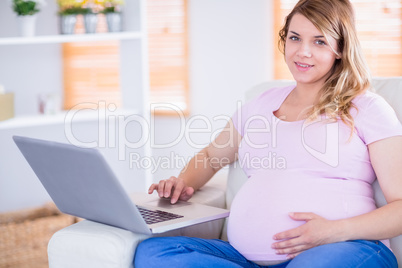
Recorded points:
(197, 252)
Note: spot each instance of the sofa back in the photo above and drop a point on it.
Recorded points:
(389, 88)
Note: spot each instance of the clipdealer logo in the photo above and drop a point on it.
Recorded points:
(330, 154)
(112, 133)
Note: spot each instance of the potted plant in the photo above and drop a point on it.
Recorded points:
(112, 10)
(90, 20)
(68, 11)
(26, 15)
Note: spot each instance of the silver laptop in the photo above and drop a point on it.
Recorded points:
(82, 184)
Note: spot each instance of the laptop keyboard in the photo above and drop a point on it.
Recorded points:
(155, 216)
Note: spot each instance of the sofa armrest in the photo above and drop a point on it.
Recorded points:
(91, 244)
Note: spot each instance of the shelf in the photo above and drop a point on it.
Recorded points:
(54, 39)
(76, 116)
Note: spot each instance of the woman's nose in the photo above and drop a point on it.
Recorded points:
(304, 50)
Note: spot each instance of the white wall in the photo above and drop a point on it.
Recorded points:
(231, 49)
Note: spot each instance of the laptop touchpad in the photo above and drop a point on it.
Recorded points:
(165, 203)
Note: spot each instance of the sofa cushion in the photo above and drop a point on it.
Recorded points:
(391, 89)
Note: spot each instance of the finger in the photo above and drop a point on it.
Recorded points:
(288, 234)
(152, 188)
(288, 243)
(187, 193)
(293, 255)
(293, 250)
(169, 185)
(161, 188)
(178, 189)
(302, 216)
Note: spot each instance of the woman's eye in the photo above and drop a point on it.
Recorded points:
(320, 42)
(294, 38)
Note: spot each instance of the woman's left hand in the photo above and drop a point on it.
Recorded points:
(316, 231)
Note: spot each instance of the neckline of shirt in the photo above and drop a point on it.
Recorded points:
(280, 102)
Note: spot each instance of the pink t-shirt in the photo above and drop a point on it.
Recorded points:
(302, 166)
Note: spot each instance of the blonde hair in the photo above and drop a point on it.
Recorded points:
(350, 75)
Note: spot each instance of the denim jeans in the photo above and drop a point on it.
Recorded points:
(197, 252)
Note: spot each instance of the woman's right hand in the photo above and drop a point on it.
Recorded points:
(174, 188)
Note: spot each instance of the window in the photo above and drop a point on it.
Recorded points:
(168, 53)
(379, 26)
(91, 70)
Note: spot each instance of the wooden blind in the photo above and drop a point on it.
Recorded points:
(91, 70)
(282, 8)
(379, 26)
(168, 53)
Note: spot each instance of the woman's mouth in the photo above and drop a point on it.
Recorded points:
(303, 66)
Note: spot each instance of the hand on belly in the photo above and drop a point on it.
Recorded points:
(261, 209)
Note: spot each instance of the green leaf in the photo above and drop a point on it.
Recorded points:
(24, 8)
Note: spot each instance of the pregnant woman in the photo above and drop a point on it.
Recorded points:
(334, 137)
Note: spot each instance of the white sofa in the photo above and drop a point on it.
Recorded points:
(90, 244)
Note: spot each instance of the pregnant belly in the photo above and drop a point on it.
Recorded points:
(261, 208)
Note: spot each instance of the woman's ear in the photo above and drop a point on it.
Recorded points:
(338, 56)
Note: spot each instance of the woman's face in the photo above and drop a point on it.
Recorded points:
(308, 54)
